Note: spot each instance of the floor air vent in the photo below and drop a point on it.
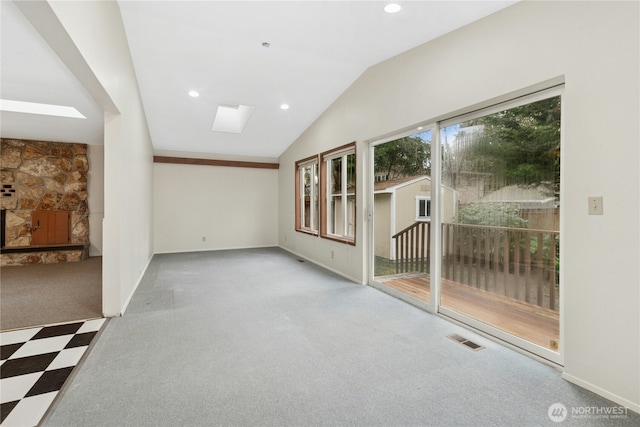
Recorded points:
(462, 340)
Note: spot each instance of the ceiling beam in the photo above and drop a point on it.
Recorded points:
(212, 162)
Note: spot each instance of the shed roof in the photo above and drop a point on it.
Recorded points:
(392, 184)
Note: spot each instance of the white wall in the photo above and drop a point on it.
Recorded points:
(594, 48)
(95, 153)
(230, 207)
(90, 39)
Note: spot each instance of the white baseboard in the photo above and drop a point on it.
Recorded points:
(326, 267)
(184, 251)
(635, 407)
(133, 291)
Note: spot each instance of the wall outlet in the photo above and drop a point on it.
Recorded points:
(331, 254)
(204, 238)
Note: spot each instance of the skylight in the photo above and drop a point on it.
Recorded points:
(36, 108)
(231, 118)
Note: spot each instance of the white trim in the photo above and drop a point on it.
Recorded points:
(435, 267)
(502, 335)
(412, 130)
(370, 197)
(340, 153)
(505, 105)
(502, 342)
(427, 208)
(563, 219)
(392, 227)
(308, 162)
(326, 267)
(343, 195)
(230, 248)
(133, 291)
(315, 177)
(401, 296)
(344, 204)
(550, 84)
(602, 392)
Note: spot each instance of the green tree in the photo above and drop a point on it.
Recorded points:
(406, 156)
(491, 214)
(521, 145)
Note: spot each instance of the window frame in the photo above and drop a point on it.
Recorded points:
(325, 204)
(299, 205)
(427, 200)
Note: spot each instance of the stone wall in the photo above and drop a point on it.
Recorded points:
(40, 175)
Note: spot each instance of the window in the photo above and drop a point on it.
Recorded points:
(307, 195)
(339, 194)
(423, 208)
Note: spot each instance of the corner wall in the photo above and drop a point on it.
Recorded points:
(96, 198)
(89, 37)
(594, 48)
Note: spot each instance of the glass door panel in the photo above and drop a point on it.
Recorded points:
(500, 206)
(402, 215)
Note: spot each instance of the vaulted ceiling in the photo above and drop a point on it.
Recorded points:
(261, 54)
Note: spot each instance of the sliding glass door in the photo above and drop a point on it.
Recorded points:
(466, 216)
(402, 215)
(500, 234)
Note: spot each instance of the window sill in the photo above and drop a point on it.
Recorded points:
(351, 242)
(309, 232)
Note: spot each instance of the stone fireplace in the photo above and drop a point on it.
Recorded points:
(44, 200)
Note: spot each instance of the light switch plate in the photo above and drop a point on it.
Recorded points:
(595, 205)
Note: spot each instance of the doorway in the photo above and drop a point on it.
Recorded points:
(402, 215)
(483, 244)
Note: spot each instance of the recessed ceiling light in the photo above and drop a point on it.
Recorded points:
(194, 94)
(392, 8)
(37, 108)
(284, 107)
(231, 118)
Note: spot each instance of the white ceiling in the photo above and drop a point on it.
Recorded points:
(317, 50)
(30, 71)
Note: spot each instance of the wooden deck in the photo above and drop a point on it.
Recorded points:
(536, 324)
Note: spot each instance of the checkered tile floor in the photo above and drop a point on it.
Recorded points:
(35, 364)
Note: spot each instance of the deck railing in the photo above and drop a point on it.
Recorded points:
(412, 248)
(515, 262)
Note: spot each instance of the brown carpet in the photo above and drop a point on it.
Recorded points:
(42, 294)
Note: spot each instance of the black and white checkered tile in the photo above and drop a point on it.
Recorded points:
(35, 364)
